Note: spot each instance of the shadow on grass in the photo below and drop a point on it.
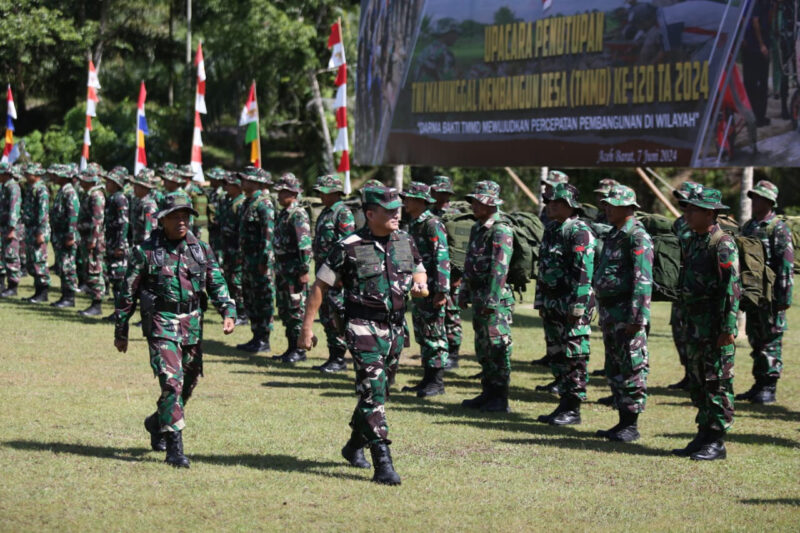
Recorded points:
(68, 314)
(280, 463)
(588, 441)
(771, 501)
(309, 385)
(743, 438)
(664, 391)
(770, 411)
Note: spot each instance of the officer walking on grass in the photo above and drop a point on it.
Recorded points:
(377, 267)
(169, 275)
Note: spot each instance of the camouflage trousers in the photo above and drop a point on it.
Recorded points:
(376, 348)
(66, 267)
(116, 268)
(37, 262)
(258, 291)
(679, 335)
(80, 265)
(95, 265)
(233, 277)
(330, 311)
(569, 349)
(493, 344)
(217, 244)
(23, 249)
(765, 334)
(627, 360)
(429, 332)
(711, 381)
(178, 367)
(11, 259)
(452, 320)
(290, 295)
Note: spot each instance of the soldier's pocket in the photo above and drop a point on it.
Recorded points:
(499, 323)
(720, 366)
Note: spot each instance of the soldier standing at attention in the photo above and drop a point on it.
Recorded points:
(623, 282)
(143, 213)
(377, 266)
(766, 326)
(292, 242)
(491, 244)
(173, 178)
(710, 293)
(565, 300)
(93, 239)
(65, 234)
(256, 230)
(334, 224)
(169, 273)
(10, 218)
(215, 194)
(229, 216)
(427, 313)
(117, 222)
(600, 194)
(442, 190)
(36, 208)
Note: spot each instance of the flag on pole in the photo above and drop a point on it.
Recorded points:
(249, 118)
(11, 151)
(546, 4)
(337, 60)
(140, 160)
(92, 85)
(199, 107)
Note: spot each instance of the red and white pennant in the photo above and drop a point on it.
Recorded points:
(337, 60)
(199, 107)
(91, 111)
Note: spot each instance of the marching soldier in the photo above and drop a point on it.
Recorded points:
(143, 212)
(117, 222)
(334, 224)
(65, 234)
(229, 216)
(93, 240)
(10, 219)
(36, 206)
(172, 309)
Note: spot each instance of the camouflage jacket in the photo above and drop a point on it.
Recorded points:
(709, 284)
(214, 198)
(447, 210)
(292, 241)
(566, 267)
(117, 222)
(486, 265)
(256, 228)
(229, 217)
(64, 215)
(36, 209)
(333, 224)
(375, 273)
(174, 272)
(777, 239)
(431, 240)
(10, 205)
(625, 270)
(92, 214)
(681, 229)
(143, 217)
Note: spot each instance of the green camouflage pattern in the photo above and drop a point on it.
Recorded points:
(143, 217)
(677, 318)
(91, 225)
(765, 189)
(10, 218)
(229, 216)
(36, 214)
(64, 222)
(117, 224)
(214, 198)
(256, 229)
(292, 245)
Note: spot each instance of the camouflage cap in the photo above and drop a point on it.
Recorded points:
(765, 189)
(555, 176)
(186, 171)
(621, 196)
(216, 173)
(90, 174)
(605, 185)
(176, 202)
(54, 169)
(18, 171)
(170, 172)
(445, 25)
(289, 182)
(486, 192)
(258, 175)
(442, 184)
(145, 178)
(329, 183)
(231, 178)
(418, 190)
(118, 175)
(5, 168)
(685, 189)
(386, 197)
(34, 169)
(566, 192)
(705, 198)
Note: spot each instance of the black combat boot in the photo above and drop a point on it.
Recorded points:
(599, 372)
(498, 400)
(567, 413)
(695, 445)
(607, 400)
(295, 354)
(2, 283)
(452, 359)
(175, 455)
(426, 376)
(551, 387)
(67, 300)
(766, 392)
(713, 448)
(435, 383)
(353, 451)
(478, 401)
(627, 430)
(10, 291)
(680, 385)
(157, 441)
(335, 362)
(543, 361)
(39, 297)
(384, 469)
(96, 309)
(110, 318)
(255, 345)
(241, 319)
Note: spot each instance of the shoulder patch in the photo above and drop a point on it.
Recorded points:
(351, 239)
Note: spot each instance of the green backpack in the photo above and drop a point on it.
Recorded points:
(756, 277)
(655, 224)
(666, 267)
(794, 226)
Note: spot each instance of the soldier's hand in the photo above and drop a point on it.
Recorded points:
(439, 299)
(70, 243)
(11, 234)
(228, 325)
(121, 345)
(303, 279)
(262, 269)
(419, 290)
(40, 239)
(725, 339)
(119, 252)
(90, 244)
(306, 339)
(455, 283)
(631, 329)
(463, 304)
(574, 319)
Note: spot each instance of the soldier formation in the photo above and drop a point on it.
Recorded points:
(143, 246)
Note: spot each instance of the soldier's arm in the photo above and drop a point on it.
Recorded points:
(42, 209)
(783, 255)
(150, 222)
(583, 249)
(73, 206)
(302, 233)
(124, 222)
(268, 230)
(126, 305)
(728, 268)
(441, 277)
(14, 206)
(345, 223)
(465, 295)
(642, 259)
(502, 248)
(327, 277)
(98, 214)
(216, 287)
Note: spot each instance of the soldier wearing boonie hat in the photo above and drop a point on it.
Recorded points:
(92, 248)
(117, 228)
(12, 230)
(64, 222)
(215, 197)
(143, 213)
(229, 216)
(36, 206)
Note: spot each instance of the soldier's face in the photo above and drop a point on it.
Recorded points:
(176, 224)
(232, 190)
(330, 198)
(761, 206)
(441, 197)
(617, 214)
(250, 187)
(285, 198)
(698, 219)
(414, 206)
(383, 221)
(139, 190)
(481, 211)
(558, 210)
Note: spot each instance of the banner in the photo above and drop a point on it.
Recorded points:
(566, 83)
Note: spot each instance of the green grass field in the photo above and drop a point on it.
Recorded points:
(264, 442)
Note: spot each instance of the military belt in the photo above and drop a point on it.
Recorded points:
(179, 308)
(367, 313)
(610, 301)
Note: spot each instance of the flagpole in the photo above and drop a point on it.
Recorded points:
(258, 127)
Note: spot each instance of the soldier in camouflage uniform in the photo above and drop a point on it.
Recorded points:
(334, 223)
(36, 210)
(133, 200)
(229, 216)
(710, 293)
(91, 224)
(10, 218)
(143, 212)
(193, 189)
(427, 313)
(491, 244)
(117, 222)
(377, 266)
(18, 174)
(64, 221)
(766, 326)
(565, 300)
(169, 273)
(256, 231)
(600, 194)
(623, 282)
(215, 195)
(292, 245)
(442, 190)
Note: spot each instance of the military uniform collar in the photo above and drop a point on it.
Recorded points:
(491, 220)
(424, 216)
(767, 219)
(367, 236)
